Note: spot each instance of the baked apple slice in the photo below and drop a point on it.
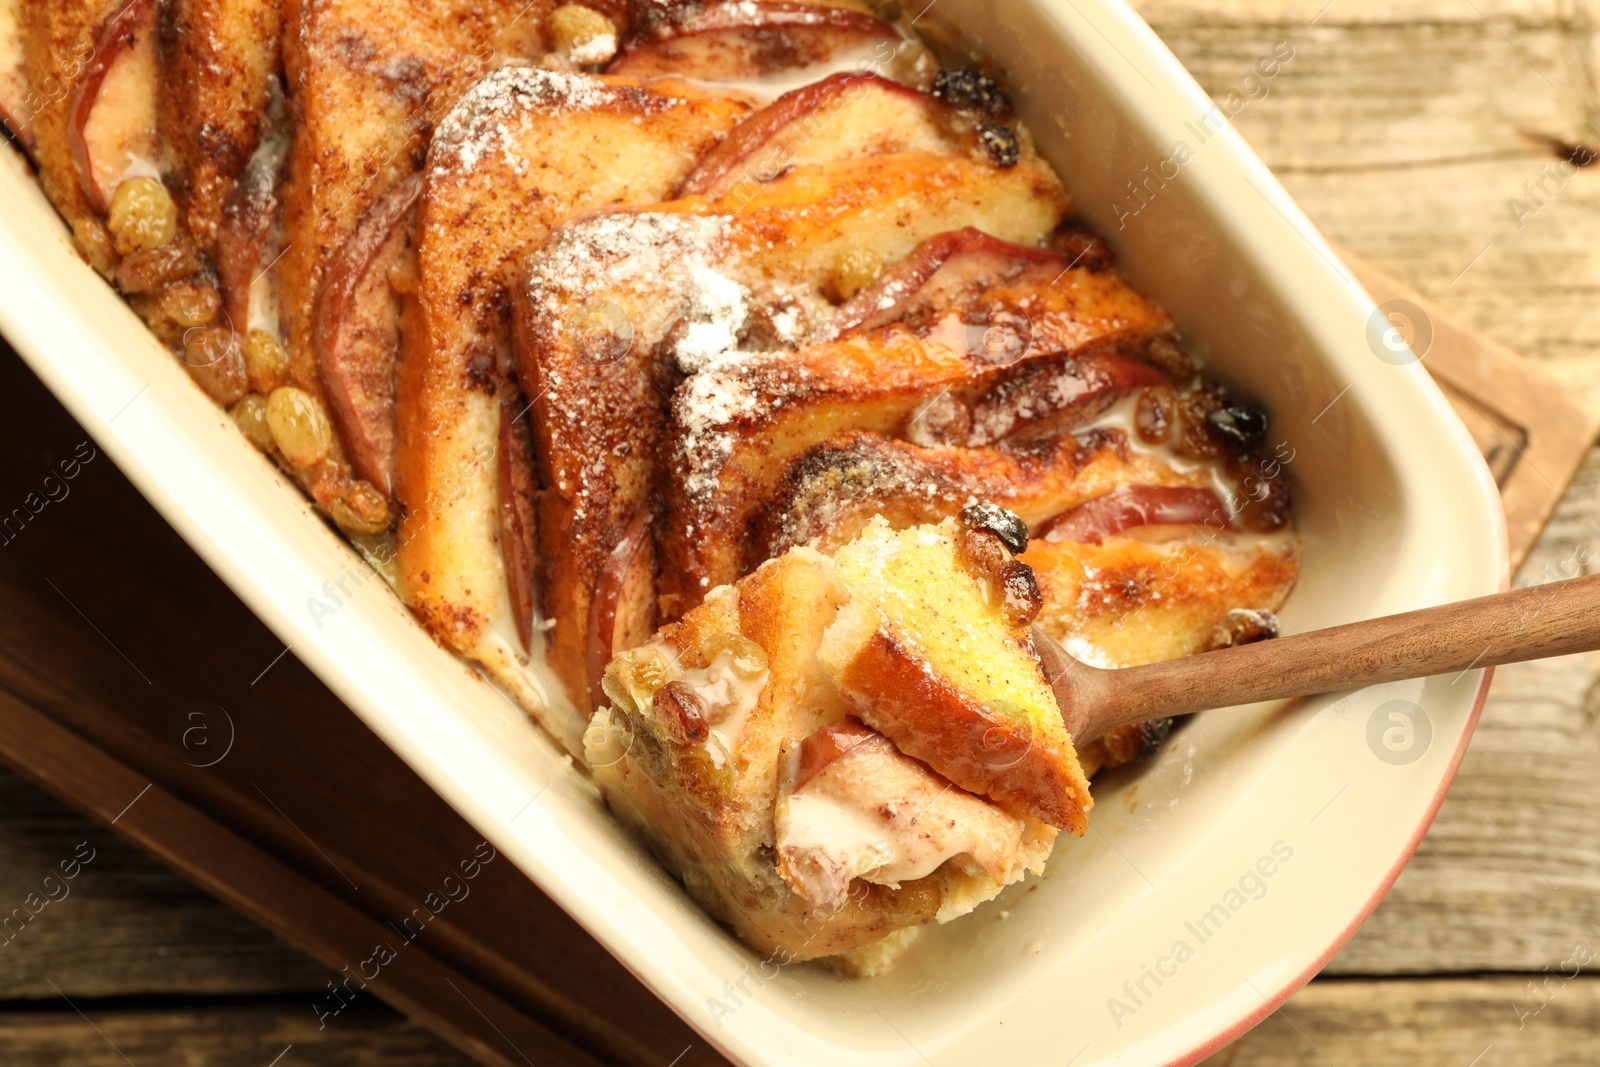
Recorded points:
(522, 151)
(111, 130)
(843, 115)
(756, 44)
(618, 307)
(242, 248)
(1042, 346)
(933, 651)
(841, 777)
(1139, 505)
(355, 332)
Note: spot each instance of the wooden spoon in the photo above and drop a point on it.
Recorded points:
(1531, 623)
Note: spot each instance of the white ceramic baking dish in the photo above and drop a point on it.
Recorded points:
(1215, 880)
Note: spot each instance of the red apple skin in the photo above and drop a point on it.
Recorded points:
(121, 31)
(751, 135)
(1138, 505)
(966, 248)
(632, 558)
(514, 467)
(248, 219)
(828, 744)
(740, 42)
(352, 374)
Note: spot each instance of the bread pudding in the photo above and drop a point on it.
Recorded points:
(838, 750)
(726, 380)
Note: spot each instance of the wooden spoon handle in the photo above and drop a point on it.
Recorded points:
(1531, 623)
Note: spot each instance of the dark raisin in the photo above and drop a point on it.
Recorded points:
(1239, 428)
(1006, 525)
(967, 88)
(1020, 593)
(1131, 744)
(1000, 141)
(1244, 626)
(682, 713)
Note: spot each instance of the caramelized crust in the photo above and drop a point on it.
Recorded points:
(927, 654)
(1156, 593)
(61, 38)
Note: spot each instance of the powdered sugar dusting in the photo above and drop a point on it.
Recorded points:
(490, 116)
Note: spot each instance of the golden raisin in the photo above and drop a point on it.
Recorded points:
(214, 361)
(682, 713)
(582, 35)
(749, 658)
(362, 509)
(190, 303)
(145, 272)
(983, 552)
(300, 427)
(1154, 415)
(266, 361)
(648, 669)
(1019, 590)
(95, 243)
(250, 414)
(142, 216)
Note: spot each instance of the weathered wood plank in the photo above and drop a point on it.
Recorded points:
(1406, 142)
(1539, 1019)
(253, 1036)
(1509, 876)
(125, 924)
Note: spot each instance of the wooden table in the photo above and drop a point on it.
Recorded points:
(1403, 130)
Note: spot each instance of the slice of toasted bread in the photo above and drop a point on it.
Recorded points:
(220, 64)
(927, 653)
(523, 151)
(693, 754)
